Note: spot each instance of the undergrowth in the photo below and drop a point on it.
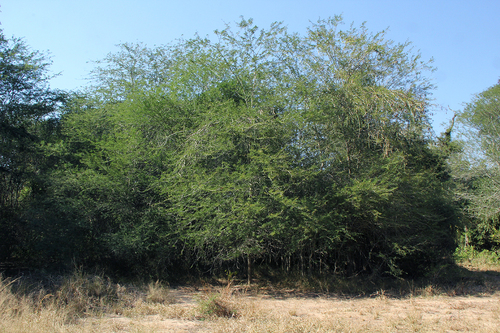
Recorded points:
(70, 303)
(484, 259)
(61, 303)
(219, 303)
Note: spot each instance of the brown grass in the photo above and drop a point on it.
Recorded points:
(92, 303)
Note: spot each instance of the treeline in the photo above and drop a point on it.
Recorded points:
(257, 149)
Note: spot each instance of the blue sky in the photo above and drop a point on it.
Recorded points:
(463, 37)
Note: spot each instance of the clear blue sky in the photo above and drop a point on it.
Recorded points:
(462, 36)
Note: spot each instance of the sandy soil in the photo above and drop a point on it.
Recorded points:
(321, 313)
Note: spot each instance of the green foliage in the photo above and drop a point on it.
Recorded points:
(482, 115)
(476, 168)
(27, 109)
(214, 305)
(220, 303)
(133, 68)
(480, 259)
(319, 159)
(303, 153)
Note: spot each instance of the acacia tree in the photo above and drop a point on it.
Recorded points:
(477, 166)
(261, 148)
(239, 150)
(27, 109)
(133, 68)
(319, 155)
(367, 126)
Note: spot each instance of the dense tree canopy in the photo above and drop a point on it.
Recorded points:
(27, 109)
(477, 167)
(259, 148)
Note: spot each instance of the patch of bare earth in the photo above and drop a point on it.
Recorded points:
(312, 313)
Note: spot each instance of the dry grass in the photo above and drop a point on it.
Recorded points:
(80, 303)
(92, 303)
(34, 313)
(420, 314)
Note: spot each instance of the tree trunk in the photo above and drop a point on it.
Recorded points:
(249, 269)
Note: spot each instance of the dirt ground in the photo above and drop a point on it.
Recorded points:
(320, 313)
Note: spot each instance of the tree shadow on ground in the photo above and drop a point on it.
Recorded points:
(450, 280)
